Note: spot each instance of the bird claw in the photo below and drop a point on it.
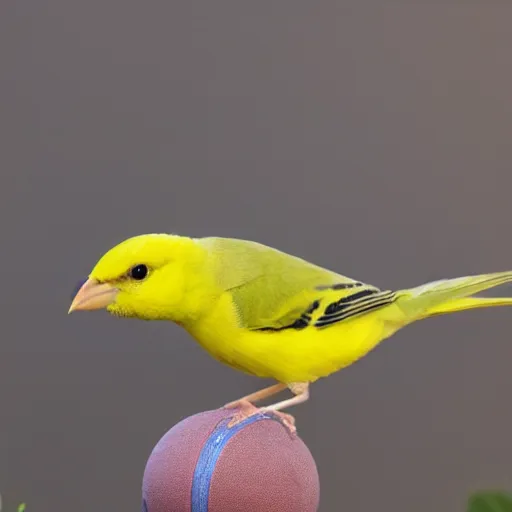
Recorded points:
(247, 409)
(285, 419)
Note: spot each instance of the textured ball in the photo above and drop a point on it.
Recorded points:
(202, 465)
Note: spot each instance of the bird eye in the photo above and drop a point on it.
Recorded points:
(139, 272)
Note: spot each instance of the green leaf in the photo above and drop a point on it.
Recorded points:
(22, 507)
(490, 501)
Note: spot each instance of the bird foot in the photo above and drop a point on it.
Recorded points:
(247, 409)
(286, 419)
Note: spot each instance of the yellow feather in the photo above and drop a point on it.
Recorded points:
(270, 314)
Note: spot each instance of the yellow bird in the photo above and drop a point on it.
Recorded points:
(265, 312)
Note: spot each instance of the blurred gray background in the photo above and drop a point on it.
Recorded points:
(373, 139)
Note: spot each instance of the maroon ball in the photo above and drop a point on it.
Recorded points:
(203, 465)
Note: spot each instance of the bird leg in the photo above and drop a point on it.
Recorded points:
(301, 392)
(258, 395)
(247, 409)
(245, 405)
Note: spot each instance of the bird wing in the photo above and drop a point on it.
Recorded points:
(272, 290)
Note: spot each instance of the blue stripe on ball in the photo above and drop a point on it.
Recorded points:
(209, 456)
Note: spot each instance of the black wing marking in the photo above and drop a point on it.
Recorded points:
(355, 304)
(344, 308)
(339, 286)
(303, 321)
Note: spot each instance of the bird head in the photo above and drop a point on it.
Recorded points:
(145, 276)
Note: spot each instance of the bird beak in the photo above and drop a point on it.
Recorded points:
(93, 295)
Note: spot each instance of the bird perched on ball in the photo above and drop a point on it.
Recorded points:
(263, 311)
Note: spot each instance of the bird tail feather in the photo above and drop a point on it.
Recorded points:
(452, 295)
